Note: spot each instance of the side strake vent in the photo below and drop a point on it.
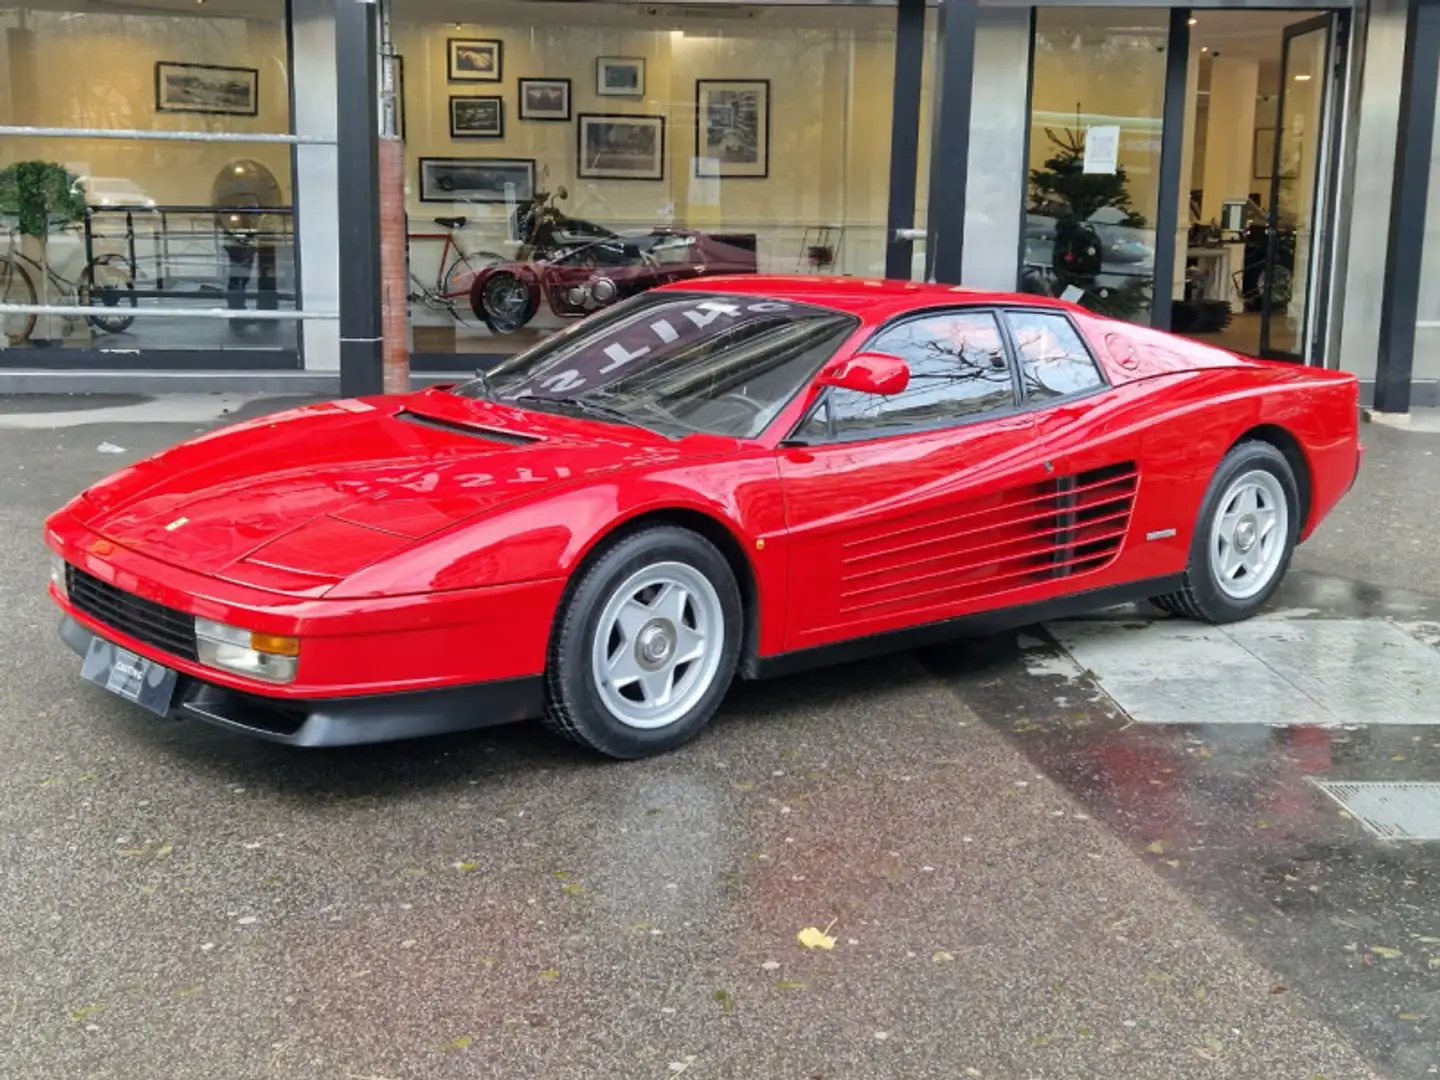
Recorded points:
(474, 431)
(1063, 527)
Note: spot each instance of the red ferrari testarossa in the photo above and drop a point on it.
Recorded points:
(745, 475)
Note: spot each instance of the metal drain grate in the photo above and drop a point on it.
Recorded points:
(1392, 810)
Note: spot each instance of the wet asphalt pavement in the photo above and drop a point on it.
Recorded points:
(1021, 878)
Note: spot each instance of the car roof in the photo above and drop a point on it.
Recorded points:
(869, 298)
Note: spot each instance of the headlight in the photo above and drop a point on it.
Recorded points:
(261, 656)
(57, 575)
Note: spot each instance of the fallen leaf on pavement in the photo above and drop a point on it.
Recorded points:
(943, 957)
(1156, 847)
(813, 938)
(789, 984)
(467, 866)
(1385, 952)
(463, 1042)
(725, 1001)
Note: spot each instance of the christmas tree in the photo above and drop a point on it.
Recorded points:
(1062, 189)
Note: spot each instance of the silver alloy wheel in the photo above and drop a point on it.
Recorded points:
(1250, 534)
(658, 645)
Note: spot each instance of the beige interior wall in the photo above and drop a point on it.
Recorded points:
(830, 101)
(98, 71)
(1099, 76)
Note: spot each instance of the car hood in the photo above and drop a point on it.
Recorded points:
(299, 500)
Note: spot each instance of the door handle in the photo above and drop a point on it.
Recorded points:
(910, 234)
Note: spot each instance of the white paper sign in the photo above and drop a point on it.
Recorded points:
(1102, 148)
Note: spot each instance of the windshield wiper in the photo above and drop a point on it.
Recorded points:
(584, 407)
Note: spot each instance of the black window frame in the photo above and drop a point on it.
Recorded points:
(1021, 401)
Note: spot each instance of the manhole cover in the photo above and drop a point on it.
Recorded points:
(1392, 810)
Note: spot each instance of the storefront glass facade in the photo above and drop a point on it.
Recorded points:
(554, 161)
(103, 207)
(561, 154)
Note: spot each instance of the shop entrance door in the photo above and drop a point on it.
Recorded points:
(1293, 271)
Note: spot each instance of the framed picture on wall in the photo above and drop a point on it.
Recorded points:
(206, 88)
(620, 76)
(475, 60)
(621, 147)
(732, 128)
(477, 117)
(476, 180)
(544, 99)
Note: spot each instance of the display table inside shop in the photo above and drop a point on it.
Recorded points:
(1208, 269)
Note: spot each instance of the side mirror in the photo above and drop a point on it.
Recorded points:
(868, 373)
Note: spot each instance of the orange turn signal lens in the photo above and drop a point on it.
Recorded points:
(275, 645)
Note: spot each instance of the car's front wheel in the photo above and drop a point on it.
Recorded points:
(645, 645)
(1248, 526)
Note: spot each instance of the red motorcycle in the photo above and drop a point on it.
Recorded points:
(578, 267)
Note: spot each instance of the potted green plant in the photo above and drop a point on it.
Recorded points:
(41, 196)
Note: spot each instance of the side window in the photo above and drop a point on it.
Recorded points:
(958, 368)
(1053, 360)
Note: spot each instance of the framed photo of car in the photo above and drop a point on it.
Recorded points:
(475, 60)
(732, 128)
(545, 99)
(477, 180)
(620, 76)
(477, 117)
(616, 147)
(206, 88)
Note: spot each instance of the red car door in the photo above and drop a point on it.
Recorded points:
(1091, 436)
(916, 507)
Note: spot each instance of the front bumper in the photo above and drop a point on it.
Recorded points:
(349, 721)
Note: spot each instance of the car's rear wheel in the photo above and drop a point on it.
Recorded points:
(646, 644)
(1245, 536)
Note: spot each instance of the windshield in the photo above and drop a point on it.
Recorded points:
(675, 362)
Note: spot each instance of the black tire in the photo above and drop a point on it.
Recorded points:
(16, 288)
(575, 706)
(1200, 597)
(485, 302)
(109, 293)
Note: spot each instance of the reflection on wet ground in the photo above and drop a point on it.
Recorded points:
(1338, 684)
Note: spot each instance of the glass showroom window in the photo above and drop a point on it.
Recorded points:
(561, 156)
(1097, 106)
(140, 229)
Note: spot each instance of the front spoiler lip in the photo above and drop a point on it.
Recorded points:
(351, 721)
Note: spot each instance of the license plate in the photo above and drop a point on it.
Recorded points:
(134, 678)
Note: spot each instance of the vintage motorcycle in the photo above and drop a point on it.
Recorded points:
(577, 266)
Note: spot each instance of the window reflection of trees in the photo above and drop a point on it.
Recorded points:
(957, 368)
(1053, 360)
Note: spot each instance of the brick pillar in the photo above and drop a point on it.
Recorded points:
(394, 313)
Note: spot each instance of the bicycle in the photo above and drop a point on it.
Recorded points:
(109, 277)
(451, 291)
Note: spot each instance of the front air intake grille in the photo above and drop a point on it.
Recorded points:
(144, 620)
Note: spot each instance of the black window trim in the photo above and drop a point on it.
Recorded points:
(1021, 402)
